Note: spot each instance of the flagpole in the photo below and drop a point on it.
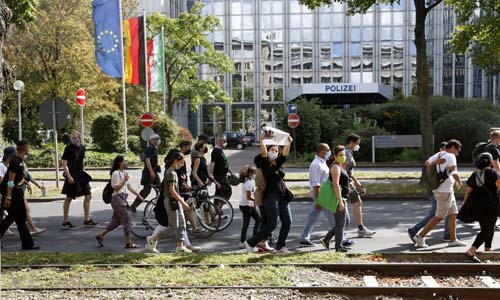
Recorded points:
(125, 134)
(164, 71)
(146, 59)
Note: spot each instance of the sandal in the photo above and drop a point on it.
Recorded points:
(131, 246)
(473, 258)
(99, 240)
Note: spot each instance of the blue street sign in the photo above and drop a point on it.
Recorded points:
(292, 108)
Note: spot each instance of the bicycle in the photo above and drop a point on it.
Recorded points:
(144, 221)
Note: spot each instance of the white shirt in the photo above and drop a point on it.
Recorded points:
(318, 172)
(3, 169)
(248, 185)
(451, 161)
(116, 178)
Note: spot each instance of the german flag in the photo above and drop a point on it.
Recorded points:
(135, 64)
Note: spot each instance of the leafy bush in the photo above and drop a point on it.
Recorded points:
(308, 133)
(469, 127)
(410, 154)
(107, 132)
(168, 130)
(135, 144)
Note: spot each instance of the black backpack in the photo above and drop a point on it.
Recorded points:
(478, 150)
(107, 193)
(160, 210)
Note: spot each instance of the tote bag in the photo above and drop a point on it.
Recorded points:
(327, 197)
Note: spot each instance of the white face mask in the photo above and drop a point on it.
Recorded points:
(356, 148)
(224, 145)
(272, 155)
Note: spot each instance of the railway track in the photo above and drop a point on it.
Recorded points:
(416, 280)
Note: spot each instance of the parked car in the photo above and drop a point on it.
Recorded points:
(234, 140)
(250, 137)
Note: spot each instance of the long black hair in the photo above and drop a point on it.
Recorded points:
(116, 163)
(169, 160)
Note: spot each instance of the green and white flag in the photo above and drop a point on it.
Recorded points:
(155, 59)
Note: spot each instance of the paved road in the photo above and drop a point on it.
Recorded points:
(390, 219)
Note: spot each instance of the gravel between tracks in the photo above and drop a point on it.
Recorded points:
(186, 294)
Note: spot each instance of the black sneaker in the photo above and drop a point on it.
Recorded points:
(90, 223)
(67, 226)
(342, 249)
(32, 248)
(411, 235)
(307, 243)
(347, 242)
(325, 243)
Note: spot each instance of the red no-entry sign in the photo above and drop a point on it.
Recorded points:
(147, 120)
(80, 97)
(293, 120)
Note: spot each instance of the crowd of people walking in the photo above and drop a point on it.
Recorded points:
(265, 196)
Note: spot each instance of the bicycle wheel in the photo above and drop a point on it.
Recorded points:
(208, 216)
(143, 221)
(225, 209)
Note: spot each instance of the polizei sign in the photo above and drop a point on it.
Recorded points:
(337, 88)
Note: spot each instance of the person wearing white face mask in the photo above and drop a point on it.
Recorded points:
(276, 200)
(247, 206)
(353, 141)
(318, 173)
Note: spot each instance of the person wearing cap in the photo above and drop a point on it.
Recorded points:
(151, 171)
(76, 183)
(13, 197)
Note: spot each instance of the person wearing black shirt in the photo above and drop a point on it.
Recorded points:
(76, 181)
(199, 174)
(219, 167)
(492, 148)
(275, 205)
(151, 171)
(13, 197)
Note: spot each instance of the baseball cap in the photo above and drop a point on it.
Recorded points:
(154, 137)
(9, 151)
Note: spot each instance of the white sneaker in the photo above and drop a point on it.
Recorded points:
(38, 231)
(182, 249)
(456, 243)
(193, 248)
(264, 247)
(8, 233)
(365, 232)
(248, 247)
(420, 242)
(151, 245)
(283, 250)
(242, 245)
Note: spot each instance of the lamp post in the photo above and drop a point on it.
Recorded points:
(19, 86)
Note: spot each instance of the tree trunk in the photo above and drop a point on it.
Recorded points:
(423, 80)
(5, 70)
(170, 102)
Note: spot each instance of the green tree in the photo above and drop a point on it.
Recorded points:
(422, 8)
(23, 11)
(182, 36)
(479, 32)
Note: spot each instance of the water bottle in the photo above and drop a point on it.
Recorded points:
(44, 193)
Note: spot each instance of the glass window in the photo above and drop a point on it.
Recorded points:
(235, 22)
(247, 7)
(325, 20)
(218, 36)
(307, 20)
(278, 21)
(338, 35)
(219, 8)
(307, 35)
(399, 6)
(355, 49)
(337, 7)
(356, 20)
(367, 34)
(337, 50)
(277, 7)
(236, 35)
(385, 19)
(367, 77)
(385, 33)
(294, 6)
(295, 36)
(265, 22)
(398, 33)
(368, 19)
(248, 35)
(247, 22)
(265, 7)
(355, 77)
(355, 34)
(338, 20)
(324, 35)
(295, 21)
(236, 7)
(398, 18)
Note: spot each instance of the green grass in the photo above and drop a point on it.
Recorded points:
(385, 188)
(44, 175)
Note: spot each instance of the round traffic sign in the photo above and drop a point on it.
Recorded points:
(80, 97)
(147, 120)
(146, 133)
(293, 120)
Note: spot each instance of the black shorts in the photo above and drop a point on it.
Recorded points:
(76, 189)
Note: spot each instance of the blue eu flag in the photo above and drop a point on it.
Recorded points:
(107, 36)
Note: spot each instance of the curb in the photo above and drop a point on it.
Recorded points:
(381, 198)
(52, 199)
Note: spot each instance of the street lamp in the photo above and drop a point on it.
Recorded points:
(19, 86)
